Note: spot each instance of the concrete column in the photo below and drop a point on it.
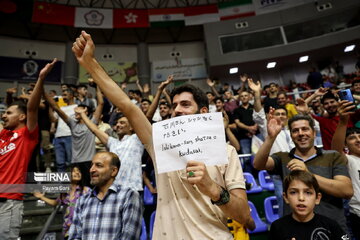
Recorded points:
(143, 63)
(71, 66)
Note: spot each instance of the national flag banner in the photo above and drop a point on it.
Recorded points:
(197, 15)
(50, 13)
(130, 18)
(93, 18)
(236, 9)
(166, 17)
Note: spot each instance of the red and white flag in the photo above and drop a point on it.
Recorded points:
(130, 18)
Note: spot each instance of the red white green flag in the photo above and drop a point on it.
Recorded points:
(236, 9)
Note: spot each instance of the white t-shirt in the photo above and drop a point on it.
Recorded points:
(354, 171)
(63, 129)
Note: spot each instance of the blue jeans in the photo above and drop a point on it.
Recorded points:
(62, 147)
(245, 144)
(278, 187)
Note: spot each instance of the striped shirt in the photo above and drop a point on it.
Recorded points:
(117, 216)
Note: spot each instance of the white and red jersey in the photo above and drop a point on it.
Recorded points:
(16, 148)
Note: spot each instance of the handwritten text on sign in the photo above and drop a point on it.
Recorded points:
(199, 137)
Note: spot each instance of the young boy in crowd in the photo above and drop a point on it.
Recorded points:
(302, 193)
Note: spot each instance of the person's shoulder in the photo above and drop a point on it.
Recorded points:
(282, 221)
(326, 221)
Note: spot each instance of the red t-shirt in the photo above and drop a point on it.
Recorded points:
(327, 128)
(16, 148)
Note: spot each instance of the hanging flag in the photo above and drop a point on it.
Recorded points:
(93, 18)
(201, 14)
(166, 17)
(50, 13)
(236, 9)
(130, 18)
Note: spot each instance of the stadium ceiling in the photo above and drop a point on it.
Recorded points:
(136, 4)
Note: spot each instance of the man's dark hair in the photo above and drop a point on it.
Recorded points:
(281, 107)
(115, 161)
(328, 95)
(53, 91)
(354, 82)
(352, 130)
(198, 95)
(280, 93)
(146, 100)
(303, 176)
(21, 106)
(137, 92)
(88, 109)
(70, 91)
(164, 103)
(299, 117)
(210, 93)
(219, 98)
(81, 86)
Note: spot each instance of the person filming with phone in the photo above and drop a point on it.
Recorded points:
(328, 121)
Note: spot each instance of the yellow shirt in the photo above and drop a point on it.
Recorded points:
(291, 110)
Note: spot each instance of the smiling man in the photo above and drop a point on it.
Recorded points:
(18, 138)
(109, 211)
(193, 203)
(328, 167)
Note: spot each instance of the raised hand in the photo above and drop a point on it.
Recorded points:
(256, 87)
(210, 82)
(45, 71)
(301, 106)
(243, 78)
(146, 88)
(169, 79)
(84, 48)
(345, 109)
(274, 125)
(80, 110)
(321, 91)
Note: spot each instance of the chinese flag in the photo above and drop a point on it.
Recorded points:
(53, 14)
(130, 18)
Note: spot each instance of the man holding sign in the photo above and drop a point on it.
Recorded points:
(193, 203)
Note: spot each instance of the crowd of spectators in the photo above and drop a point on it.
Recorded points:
(106, 142)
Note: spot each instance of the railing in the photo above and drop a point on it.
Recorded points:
(48, 222)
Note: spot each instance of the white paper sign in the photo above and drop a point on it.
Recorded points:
(199, 137)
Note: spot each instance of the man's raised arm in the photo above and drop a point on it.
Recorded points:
(34, 100)
(154, 105)
(84, 49)
(262, 159)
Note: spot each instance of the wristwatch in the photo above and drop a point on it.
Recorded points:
(224, 197)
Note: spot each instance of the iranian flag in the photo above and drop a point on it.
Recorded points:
(50, 13)
(130, 18)
(236, 9)
(166, 17)
(201, 14)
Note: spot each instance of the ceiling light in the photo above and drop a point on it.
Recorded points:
(233, 70)
(349, 48)
(271, 65)
(303, 59)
